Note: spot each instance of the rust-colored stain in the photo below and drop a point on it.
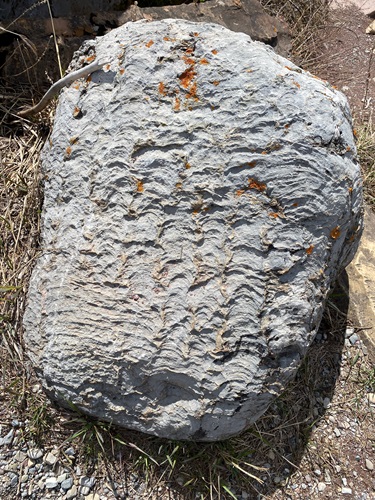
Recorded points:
(188, 60)
(192, 94)
(348, 148)
(296, 84)
(166, 38)
(68, 151)
(251, 164)
(90, 59)
(187, 165)
(335, 233)
(295, 205)
(350, 189)
(187, 77)
(214, 51)
(76, 112)
(309, 250)
(177, 104)
(240, 192)
(355, 133)
(140, 187)
(215, 82)
(149, 44)
(203, 61)
(287, 67)
(253, 184)
(107, 67)
(196, 34)
(89, 78)
(189, 50)
(264, 152)
(76, 86)
(122, 71)
(74, 140)
(162, 89)
(178, 185)
(287, 126)
(275, 215)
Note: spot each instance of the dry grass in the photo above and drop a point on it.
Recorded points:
(366, 152)
(305, 19)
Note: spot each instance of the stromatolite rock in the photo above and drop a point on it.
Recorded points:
(201, 195)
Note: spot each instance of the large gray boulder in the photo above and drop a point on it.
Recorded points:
(201, 195)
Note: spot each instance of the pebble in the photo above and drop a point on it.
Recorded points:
(353, 339)
(51, 483)
(89, 482)
(84, 490)
(20, 456)
(8, 438)
(346, 491)
(322, 486)
(337, 432)
(50, 459)
(35, 453)
(326, 403)
(95, 496)
(67, 483)
(72, 493)
(369, 464)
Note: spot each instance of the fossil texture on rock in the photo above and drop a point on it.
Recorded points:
(201, 195)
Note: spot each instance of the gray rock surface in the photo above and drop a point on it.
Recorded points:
(201, 195)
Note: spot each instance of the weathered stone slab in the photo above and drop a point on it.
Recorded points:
(201, 195)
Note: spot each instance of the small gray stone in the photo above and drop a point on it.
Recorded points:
(35, 453)
(50, 459)
(321, 486)
(72, 493)
(24, 478)
(369, 464)
(62, 477)
(326, 403)
(84, 490)
(346, 491)
(20, 456)
(67, 483)
(70, 452)
(353, 339)
(14, 481)
(337, 432)
(7, 439)
(87, 481)
(349, 332)
(51, 483)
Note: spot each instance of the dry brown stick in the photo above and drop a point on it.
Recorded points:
(60, 84)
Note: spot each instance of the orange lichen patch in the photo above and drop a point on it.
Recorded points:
(166, 38)
(76, 112)
(295, 205)
(188, 60)
(214, 51)
(107, 67)
(187, 165)
(187, 77)
(162, 89)
(309, 250)
(275, 215)
(149, 44)
(355, 132)
(287, 126)
(189, 50)
(240, 192)
(196, 34)
(335, 233)
(216, 83)
(176, 104)
(296, 84)
(350, 189)
(264, 152)
(253, 184)
(74, 140)
(122, 71)
(289, 68)
(89, 78)
(251, 164)
(203, 61)
(90, 59)
(140, 187)
(76, 86)
(192, 94)
(178, 185)
(68, 151)
(348, 148)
